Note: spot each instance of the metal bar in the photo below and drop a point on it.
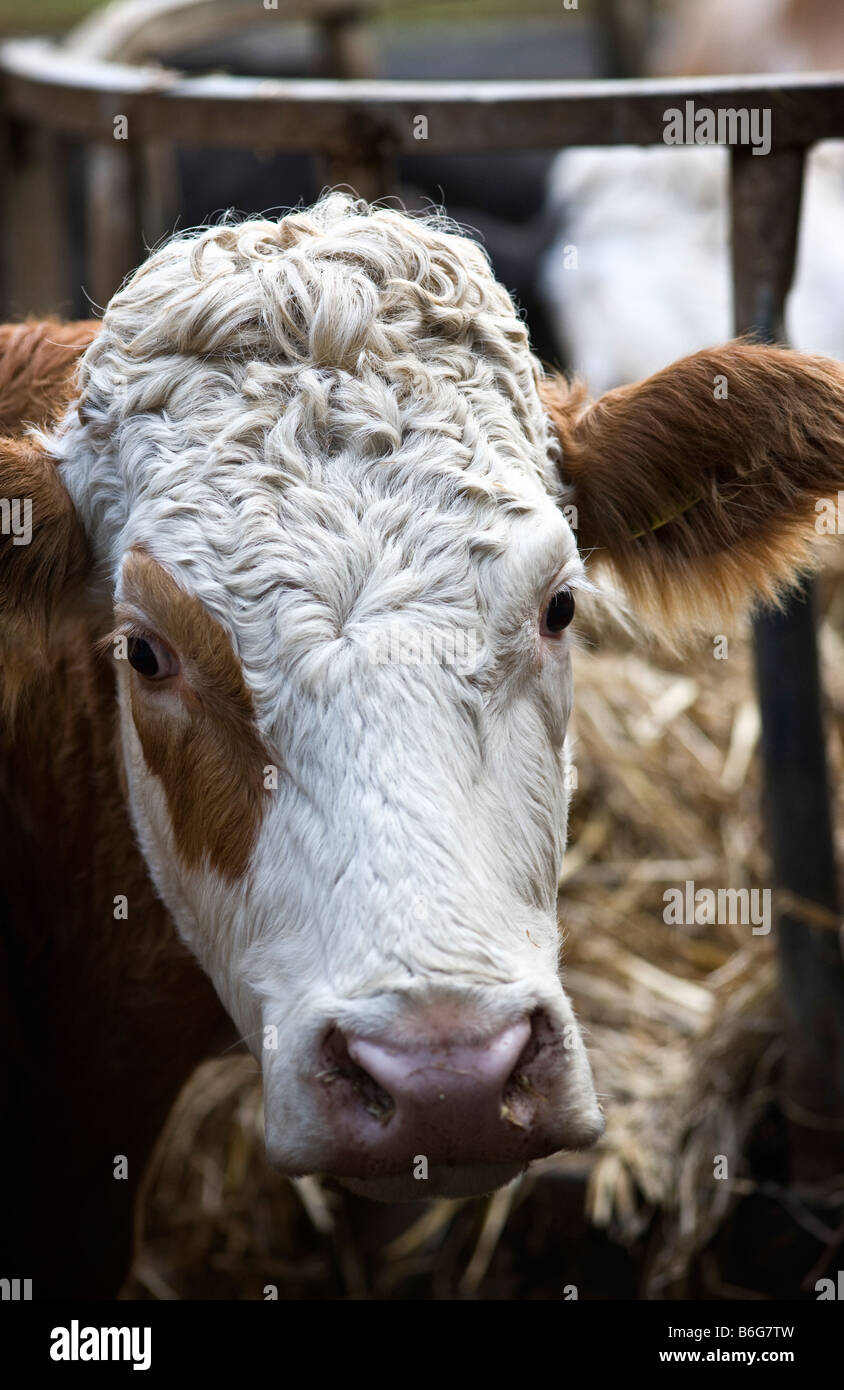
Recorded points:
(346, 43)
(33, 216)
(623, 30)
(113, 244)
(765, 213)
(159, 190)
(370, 177)
(5, 194)
(48, 87)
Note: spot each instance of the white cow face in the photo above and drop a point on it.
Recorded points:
(379, 914)
(312, 461)
(313, 457)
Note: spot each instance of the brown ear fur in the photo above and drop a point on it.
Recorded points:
(702, 505)
(37, 375)
(37, 368)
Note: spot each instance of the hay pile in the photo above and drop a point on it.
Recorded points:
(681, 1021)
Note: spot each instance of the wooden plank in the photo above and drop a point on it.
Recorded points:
(46, 86)
(765, 211)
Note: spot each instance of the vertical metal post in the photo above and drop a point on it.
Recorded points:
(5, 192)
(112, 233)
(766, 195)
(34, 224)
(623, 32)
(346, 44)
(364, 159)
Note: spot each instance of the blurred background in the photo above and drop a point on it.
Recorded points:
(502, 197)
(684, 1022)
(639, 222)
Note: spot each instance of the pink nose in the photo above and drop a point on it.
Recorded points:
(458, 1105)
(450, 1094)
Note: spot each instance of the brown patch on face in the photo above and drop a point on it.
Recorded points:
(198, 735)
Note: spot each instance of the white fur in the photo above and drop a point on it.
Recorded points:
(322, 426)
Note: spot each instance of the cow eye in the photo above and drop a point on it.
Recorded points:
(558, 614)
(150, 658)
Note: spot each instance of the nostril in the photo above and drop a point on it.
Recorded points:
(339, 1066)
(523, 1088)
(540, 1035)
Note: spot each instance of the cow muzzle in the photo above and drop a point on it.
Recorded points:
(428, 1113)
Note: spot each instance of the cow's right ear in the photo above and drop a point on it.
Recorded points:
(44, 557)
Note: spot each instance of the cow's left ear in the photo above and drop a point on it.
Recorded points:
(704, 486)
(44, 558)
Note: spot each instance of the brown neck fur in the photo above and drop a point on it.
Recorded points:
(102, 1019)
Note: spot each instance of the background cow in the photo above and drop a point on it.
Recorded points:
(286, 438)
(649, 279)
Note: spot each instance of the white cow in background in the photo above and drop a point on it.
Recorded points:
(639, 271)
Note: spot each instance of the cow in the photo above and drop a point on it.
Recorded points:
(637, 271)
(292, 544)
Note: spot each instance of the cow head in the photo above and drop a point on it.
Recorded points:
(341, 520)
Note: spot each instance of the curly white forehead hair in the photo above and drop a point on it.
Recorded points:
(259, 383)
